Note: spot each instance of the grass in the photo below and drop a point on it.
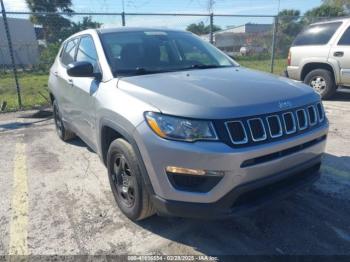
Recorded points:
(30, 84)
(33, 83)
(264, 64)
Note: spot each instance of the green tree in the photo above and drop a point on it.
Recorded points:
(289, 22)
(345, 4)
(47, 56)
(52, 23)
(288, 28)
(321, 12)
(86, 23)
(201, 29)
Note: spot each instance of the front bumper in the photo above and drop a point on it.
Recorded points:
(245, 197)
(157, 154)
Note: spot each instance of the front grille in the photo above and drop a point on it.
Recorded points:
(302, 119)
(237, 132)
(264, 128)
(312, 115)
(257, 129)
(320, 111)
(289, 123)
(274, 126)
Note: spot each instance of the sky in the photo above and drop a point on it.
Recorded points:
(236, 7)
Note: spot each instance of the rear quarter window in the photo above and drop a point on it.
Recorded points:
(316, 34)
(345, 39)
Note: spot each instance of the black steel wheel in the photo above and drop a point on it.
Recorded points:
(126, 181)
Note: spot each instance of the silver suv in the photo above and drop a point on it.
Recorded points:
(320, 56)
(182, 129)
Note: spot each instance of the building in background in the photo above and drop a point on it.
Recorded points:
(24, 42)
(248, 37)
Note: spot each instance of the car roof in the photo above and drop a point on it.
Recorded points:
(121, 29)
(135, 29)
(333, 21)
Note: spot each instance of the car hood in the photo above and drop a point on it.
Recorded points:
(218, 93)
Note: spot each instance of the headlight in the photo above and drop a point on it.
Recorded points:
(178, 128)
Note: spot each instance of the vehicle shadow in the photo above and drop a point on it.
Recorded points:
(41, 115)
(314, 221)
(79, 143)
(341, 95)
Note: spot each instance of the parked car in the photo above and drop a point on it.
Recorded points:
(183, 129)
(320, 56)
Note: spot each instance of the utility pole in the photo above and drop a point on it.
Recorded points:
(211, 20)
(273, 49)
(9, 41)
(123, 13)
(211, 6)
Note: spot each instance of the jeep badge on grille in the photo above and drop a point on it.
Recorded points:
(284, 104)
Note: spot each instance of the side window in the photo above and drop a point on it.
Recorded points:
(69, 52)
(318, 34)
(345, 39)
(87, 51)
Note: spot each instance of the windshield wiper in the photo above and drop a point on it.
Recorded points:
(138, 71)
(145, 71)
(205, 66)
(201, 66)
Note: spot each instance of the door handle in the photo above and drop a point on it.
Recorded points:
(338, 54)
(55, 73)
(70, 81)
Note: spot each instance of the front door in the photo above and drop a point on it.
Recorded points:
(65, 81)
(341, 52)
(85, 89)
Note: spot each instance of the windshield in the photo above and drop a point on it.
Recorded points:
(147, 52)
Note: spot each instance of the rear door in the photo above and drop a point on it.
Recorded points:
(341, 52)
(64, 87)
(85, 89)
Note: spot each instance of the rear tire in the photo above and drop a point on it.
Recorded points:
(61, 130)
(126, 181)
(322, 81)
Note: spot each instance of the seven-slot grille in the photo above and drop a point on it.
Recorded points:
(263, 128)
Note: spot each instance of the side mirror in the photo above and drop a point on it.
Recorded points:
(80, 69)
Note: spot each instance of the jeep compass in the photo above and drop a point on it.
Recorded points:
(183, 129)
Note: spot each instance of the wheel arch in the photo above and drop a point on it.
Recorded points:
(109, 131)
(307, 68)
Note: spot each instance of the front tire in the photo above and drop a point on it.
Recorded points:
(322, 81)
(61, 130)
(126, 181)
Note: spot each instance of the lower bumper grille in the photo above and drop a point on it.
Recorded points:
(260, 194)
(285, 152)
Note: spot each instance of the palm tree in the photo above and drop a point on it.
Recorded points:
(48, 16)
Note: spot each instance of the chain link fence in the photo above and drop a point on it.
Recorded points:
(259, 42)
